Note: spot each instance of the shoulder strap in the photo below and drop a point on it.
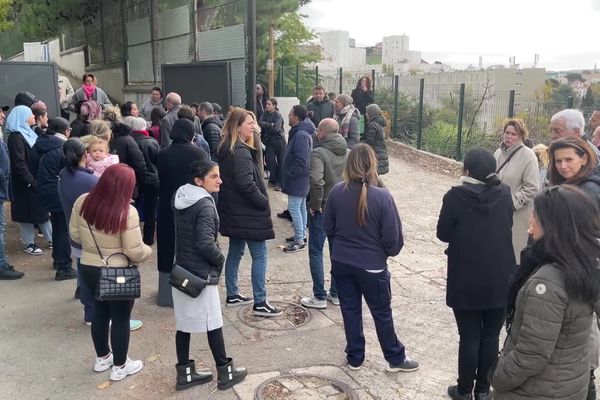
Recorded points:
(508, 159)
(96, 243)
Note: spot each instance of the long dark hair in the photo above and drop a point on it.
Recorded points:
(571, 225)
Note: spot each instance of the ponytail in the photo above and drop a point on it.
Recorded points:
(492, 180)
(362, 208)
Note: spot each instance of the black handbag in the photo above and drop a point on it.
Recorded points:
(188, 283)
(117, 283)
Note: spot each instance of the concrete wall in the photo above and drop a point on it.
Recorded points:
(112, 82)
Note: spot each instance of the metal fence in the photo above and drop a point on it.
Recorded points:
(445, 119)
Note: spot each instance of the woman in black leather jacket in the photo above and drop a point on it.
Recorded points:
(197, 250)
(273, 137)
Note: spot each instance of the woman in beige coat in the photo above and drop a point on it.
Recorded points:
(106, 217)
(517, 167)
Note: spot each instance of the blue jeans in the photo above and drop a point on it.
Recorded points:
(3, 260)
(297, 209)
(316, 242)
(258, 252)
(28, 232)
(354, 283)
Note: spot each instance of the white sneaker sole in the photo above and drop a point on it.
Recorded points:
(267, 314)
(121, 377)
(317, 306)
(391, 369)
(238, 304)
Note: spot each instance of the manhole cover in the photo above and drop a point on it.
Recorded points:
(304, 386)
(293, 316)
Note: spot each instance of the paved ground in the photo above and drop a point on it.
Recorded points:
(46, 350)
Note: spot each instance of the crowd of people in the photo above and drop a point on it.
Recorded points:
(522, 227)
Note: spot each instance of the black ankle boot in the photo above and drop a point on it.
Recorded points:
(188, 377)
(228, 375)
(456, 395)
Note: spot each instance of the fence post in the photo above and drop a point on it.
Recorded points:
(341, 80)
(511, 104)
(420, 122)
(395, 122)
(316, 75)
(373, 83)
(461, 109)
(280, 81)
(298, 81)
(570, 102)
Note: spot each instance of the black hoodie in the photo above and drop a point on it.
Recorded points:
(591, 185)
(129, 152)
(45, 164)
(476, 222)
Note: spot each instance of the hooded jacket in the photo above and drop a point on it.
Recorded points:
(173, 169)
(243, 205)
(46, 164)
(476, 222)
(197, 229)
(375, 137)
(150, 149)
(296, 162)
(129, 152)
(211, 128)
(327, 163)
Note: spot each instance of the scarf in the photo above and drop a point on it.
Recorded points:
(468, 179)
(88, 90)
(17, 122)
(344, 116)
(532, 258)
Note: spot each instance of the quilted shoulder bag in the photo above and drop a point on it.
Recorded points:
(116, 283)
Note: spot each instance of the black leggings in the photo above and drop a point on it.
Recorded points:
(215, 341)
(117, 311)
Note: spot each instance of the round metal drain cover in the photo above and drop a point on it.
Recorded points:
(292, 317)
(304, 387)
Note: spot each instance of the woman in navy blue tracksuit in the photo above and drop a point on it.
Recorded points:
(362, 242)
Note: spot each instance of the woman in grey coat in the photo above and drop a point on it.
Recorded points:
(89, 91)
(375, 137)
(551, 302)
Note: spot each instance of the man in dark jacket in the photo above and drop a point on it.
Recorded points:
(46, 164)
(173, 169)
(319, 106)
(149, 189)
(296, 171)
(172, 104)
(7, 271)
(327, 163)
(211, 128)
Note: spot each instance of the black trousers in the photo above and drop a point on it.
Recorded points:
(150, 204)
(274, 158)
(61, 251)
(479, 332)
(215, 342)
(105, 311)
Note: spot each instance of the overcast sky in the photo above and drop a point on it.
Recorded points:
(565, 33)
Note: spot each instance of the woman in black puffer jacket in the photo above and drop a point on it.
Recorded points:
(197, 250)
(375, 137)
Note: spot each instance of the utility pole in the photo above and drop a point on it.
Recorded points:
(251, 24)
(271, 62)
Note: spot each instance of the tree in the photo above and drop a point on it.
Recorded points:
(6, 15)
(588, 99)
(574, 76)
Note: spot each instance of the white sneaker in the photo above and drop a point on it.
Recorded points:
(313, 302)
(102, 364)
(131, 367)
(333, 299)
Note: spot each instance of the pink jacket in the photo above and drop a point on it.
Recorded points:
(98, 167)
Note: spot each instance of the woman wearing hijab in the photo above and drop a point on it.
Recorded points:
(25, 208)
(173, 169)
(89, 91)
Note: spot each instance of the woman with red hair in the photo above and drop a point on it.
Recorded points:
(105, 216)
